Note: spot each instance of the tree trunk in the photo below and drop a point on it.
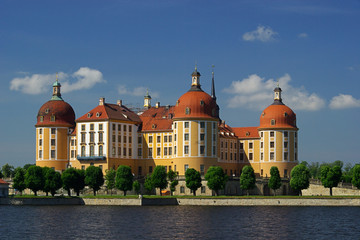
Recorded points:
(274, 192)
(331, 191)
(247, 192)
(35, 193)
(160, 192)
(111, 192)
(124, 193)
(194, 193)
(217, 192)
(171, 193)
(78, 193)
(47, 194)
(94, 192)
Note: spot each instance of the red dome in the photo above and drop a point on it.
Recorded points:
(278, 116)
(56, 113)
(196, 104)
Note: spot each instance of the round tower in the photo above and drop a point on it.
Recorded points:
(195, 128)
(55, 122)
(279, 140)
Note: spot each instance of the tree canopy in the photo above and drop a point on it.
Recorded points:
(172, 177)
(94, 178)
(275, 180)
(356, 176)
(52, 181)
(193, 179)
(330, 176)
(72, 179)
(19, 180)
(300, 176)
(34, 179)
(136, 186)
(216, 178)
(247, 178)
(124, 179)
(158, 178)
(7, 171)
(110, 175)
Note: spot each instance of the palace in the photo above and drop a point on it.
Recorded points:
(189, 134)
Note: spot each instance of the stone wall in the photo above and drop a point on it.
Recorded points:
(320, 190)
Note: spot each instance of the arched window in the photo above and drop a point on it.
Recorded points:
(187, 111)
(272, 122)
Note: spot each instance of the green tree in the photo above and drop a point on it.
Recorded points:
(356, 176)
(172, 177)
(330, 176)
(46, 187)
(1, 175)
(94, 178)
(80, 182)
(300, 176)
(314, 169)
(338, 163)
(124, 179)
(110, 175)
(193, 179)
(70, 179)
(52, 181)
(8, 171)
(216, 179)
(19, 180)
(247, 179)
(158, 178)
(34, 179)
(136, 186)
(148, 183)
(26, 166)
(275, 180)
(348, 173)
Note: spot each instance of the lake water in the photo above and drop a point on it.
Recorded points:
(178, 222)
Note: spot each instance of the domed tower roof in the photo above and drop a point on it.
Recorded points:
(56, 112)
(195, 103)
(277, 115)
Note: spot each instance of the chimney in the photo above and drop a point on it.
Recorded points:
(157, 104)
(101, 101)
(119, 102)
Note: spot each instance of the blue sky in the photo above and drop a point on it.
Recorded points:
(118, 49)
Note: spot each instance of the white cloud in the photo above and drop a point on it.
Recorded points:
(256, 93)
(262, 33)
(343, 101)
(137, 91)
(303, 35)
(84, 78)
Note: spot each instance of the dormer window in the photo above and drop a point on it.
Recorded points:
(247, 134)
(52, 118)
(202, 103)
(89, 115)
(272, 122)
(285, 114)
(153, 126)
(47, 110)
(187, 111)
(41, 118)
(98, 114)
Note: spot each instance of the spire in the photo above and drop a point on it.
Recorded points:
(213, 84)
(56, 90)
(277, 94)
(147, 100)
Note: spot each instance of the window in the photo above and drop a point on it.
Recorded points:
(222, 144)
(92, 150)
(170, 150)
(139, 171)
(124, 151)
(40, 153)
(214, 125)
(83, 167)
(222, 155)
(187, 111)
(285, 172)
(214, 137)
(272, 122)
(262, 156)
(186, 149)
(262, 134)
(186, 137)
(119, 138)
(262, 172)
(271, 134)
(82, 137)
(202, 137)
(175, 150)
(150, 139)
(113, 151)
(158, 151)
(150, 152)
(40, 142)
(250, 145)
(83, 151)
(165, 151)
(158, 139)
(40, 131)
(119, 127)
(261, 144)
(100, 137)
(285, 156)
(231, 145)
(175, 137)
(124, 127)
(41, 118)
(182, 189)
(139, 152)
(186, 124)
(202, 124)
(100, 127)
(226, 156)
(124, 138)
(285, 144)
(170, 138)
(285, 134)
(241, 157)
(72, 142)
(139, 140)
(202, 169)
(52, 142)
(271, 156)
(91, 127)
(186, 166)
(52, 153)
(130, 128)
(165, 138)
(241, 145)
(100, 166)
(100, 150)
(130, 152)
(91, 137)
(83, 127)
(114, 127)
(225, 144)
(202, 149)
(230, 156)
(150, 169)
(235, 156)
(214, 150)
(165, 168)
(119, 151)
(250, 156)
(130, 139)
(272, 144)
(53, 130)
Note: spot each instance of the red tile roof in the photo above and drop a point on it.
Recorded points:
(3, 182)
(110, 111)
(157, 119)
(246, 132)
(62, 111)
